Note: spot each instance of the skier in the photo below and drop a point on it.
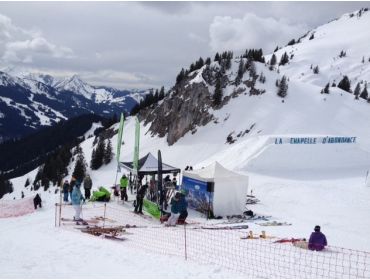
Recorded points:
(87, 186)
(175, 210)
(76, 201)
(65, 190)
(183, 207)
(37, 201)
(123, 186)
(317, 241)
(140, 199)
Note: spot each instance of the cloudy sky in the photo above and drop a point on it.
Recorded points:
(145, 44)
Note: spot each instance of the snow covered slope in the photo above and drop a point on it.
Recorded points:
(350, 34)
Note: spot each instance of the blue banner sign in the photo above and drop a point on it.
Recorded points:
(198, 198)
(315, 140)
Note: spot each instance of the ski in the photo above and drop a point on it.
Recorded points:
(275, 223)
(223, 228)
(289, 240)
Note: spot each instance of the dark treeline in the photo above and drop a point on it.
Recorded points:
(21, 156)
(149, 99)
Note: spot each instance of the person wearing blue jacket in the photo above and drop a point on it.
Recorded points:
(76, 201)
(175, 210)
(183, 207)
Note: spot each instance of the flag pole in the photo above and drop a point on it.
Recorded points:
(119, 144)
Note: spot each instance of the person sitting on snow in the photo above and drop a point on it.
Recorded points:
(175, 210)
(183, 207)
(317, 240)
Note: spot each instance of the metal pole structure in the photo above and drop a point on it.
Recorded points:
(60, 206)
(55, 218)
(186, 252)
(105, 209)
(115, 183)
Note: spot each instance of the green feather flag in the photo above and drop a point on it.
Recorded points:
(119, 138)
(137, 143)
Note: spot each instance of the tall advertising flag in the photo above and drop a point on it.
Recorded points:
(137, 143)
(119, 138)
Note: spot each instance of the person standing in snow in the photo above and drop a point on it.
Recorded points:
(87, 186)
(71, 185)
(317, 241)
(76, 201)
(175, 210)
(65, 191)
(37, 201)
(123, 183)
(140, 199)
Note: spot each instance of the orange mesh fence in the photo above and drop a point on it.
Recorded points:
(253, 258)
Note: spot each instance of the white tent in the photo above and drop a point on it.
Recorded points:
(230, 188)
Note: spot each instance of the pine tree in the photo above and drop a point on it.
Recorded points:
(312, 36)
(180, 76)
(284, 59)
(357, 91)
(208, 61)
(273, 60)
(262, 78)
(316, 69)
(283, 87)
(241, 71)
(108, 155)
(217, 96)
(5, 185)
(80, 167)
(345, 84)
(364, 93)
(161, 93)
(217, 57)
(27, 183)
(326, 89)
(98, 155)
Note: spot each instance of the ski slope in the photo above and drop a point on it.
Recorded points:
(302, 184)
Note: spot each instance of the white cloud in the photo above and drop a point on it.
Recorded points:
(20, 45)
(251, 31)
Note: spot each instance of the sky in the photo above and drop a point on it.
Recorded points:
(145, 44)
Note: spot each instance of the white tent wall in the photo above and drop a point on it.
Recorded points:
(230, 188)
(229, 197)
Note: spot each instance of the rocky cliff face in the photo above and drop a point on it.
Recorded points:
(185, 108)
(190, 102)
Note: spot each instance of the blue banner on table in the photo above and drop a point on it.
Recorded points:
(198, 197)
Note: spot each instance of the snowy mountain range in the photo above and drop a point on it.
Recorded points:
(29, 101)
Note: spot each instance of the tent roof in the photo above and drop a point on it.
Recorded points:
(211, 171)
(149, 165)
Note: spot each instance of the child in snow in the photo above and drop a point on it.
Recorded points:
(76, 201)
(317, 240)
(175, 210)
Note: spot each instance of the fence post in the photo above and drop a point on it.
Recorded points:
(60, 207)
(186, 252)
(55, 218)
(105, 208)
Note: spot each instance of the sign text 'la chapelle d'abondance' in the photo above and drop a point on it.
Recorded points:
(315, 140)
